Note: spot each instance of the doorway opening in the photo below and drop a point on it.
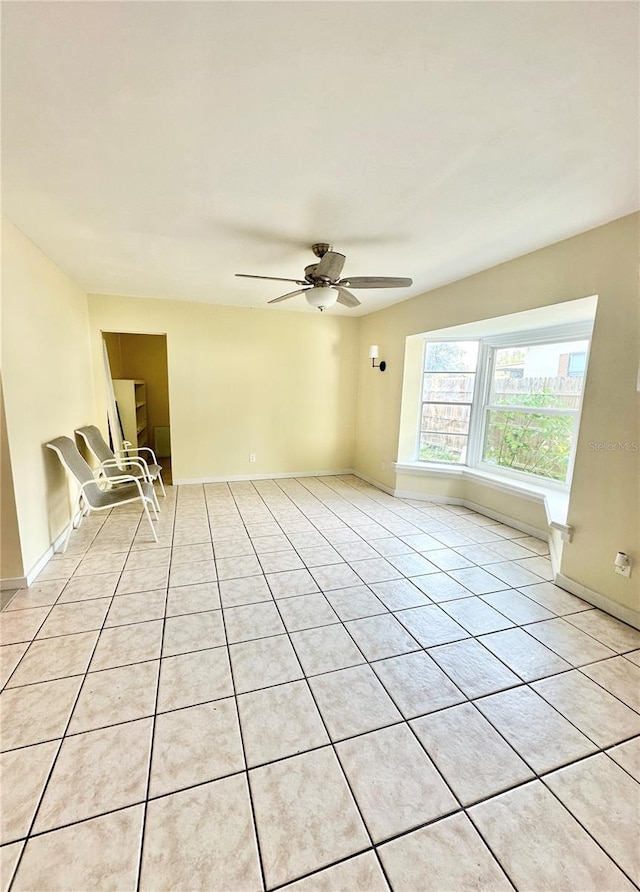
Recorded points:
(140, 375)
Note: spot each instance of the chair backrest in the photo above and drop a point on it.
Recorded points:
(70, 457)
(96, 442)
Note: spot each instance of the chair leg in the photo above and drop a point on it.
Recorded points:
(164, 493)
(146, 511)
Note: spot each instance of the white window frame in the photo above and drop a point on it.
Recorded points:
(480, 405)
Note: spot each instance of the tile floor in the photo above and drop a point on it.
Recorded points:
(309, 684)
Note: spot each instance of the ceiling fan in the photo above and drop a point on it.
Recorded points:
(323, 285)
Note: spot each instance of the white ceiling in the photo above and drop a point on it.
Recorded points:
(155, 149)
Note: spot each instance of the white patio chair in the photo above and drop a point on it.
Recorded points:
(92, 496)
(113, 463)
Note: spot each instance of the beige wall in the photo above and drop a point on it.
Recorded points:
(605, 494)
(10, 551)
(48, 387)
(278, 384)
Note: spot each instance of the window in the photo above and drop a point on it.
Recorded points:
(508, 405)
(447, 396)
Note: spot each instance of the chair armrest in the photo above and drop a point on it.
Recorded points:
(140, 449)
(116, 462)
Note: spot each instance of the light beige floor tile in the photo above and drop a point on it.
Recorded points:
(101, 853)
(478, 580)
(96, 772)
(236, 547)
(149, 558)
(140, 607)
(353, 551)
(189, 679)
(279, 722)
(517, 607)
(543, 738)
(280, 561)
(248, 590)
(58, 568)
(376, 569)
(393, 780)
(431, 625)
(355, 603)
(628, 756)
(101, 563)
(568, 642)
(359, 874)
(186, 554)
(55, 658)
(306, 612)
(304, 798)
(81, 616)
(252, 621)
(37, 595)
(474, 759)
(554, 598)
(413, 564)
(448, 559)
(192, 573)
(238, 567)
(602, 717)
(634, 657)
(379, 637)
(23, 774)
(9, 856)
(606, 801)
(541, 846)
(194, 745)
(524, 654)
(121, 645)
(448, 855)
(263, 662)
(482, 555)
(441, 587)
(325, 648)
(86, 588)
(144, 580)
(514, 551)
(475, 616)
(473, 669)
(422, 542)
(417, 684)
(198, 834)
(21, 625)
(392, 546)
(194, 631)
(336, 576)
(399, 594)
(276, 542)
(515, 574)
(117, 695)
(193, 599)
(320, 556)
(37, 712)
(291, 582)
(352, 701)
(610, 631)
(10, 656)
(540, 566)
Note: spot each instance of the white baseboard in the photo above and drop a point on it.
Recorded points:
(238, 478)
(12, 583)
(626, 614)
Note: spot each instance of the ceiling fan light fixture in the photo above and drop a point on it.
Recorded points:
(322, 296)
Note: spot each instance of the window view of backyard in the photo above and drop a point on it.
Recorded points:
(530, 413)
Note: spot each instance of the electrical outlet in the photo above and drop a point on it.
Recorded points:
(252, 456)
(623, 571)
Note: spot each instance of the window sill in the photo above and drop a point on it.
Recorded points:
(555, 502)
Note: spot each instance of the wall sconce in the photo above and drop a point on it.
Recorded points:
(373, 355)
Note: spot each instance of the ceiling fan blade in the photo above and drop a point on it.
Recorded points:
(375, 282)
(330, 266)
(271, 278)
(347, 299)
(277, 300)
